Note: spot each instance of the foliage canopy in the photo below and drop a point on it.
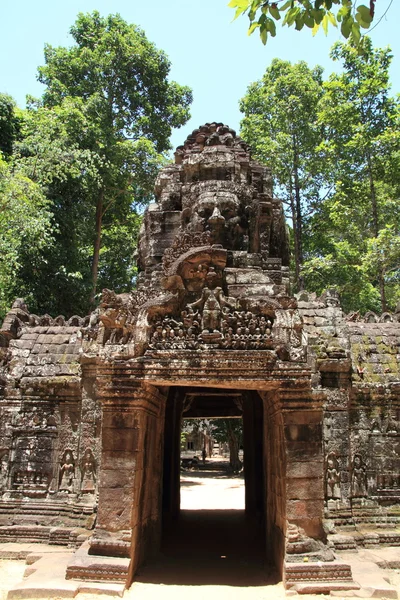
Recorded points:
(351, 16)
(94, 143)
(334, 149)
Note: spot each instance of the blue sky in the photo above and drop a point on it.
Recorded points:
(208, 52)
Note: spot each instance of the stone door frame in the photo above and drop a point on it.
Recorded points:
(133, 396)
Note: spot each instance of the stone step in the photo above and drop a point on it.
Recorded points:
(366, 593)
(319, 571)
(45, 577)
(90, 567)
(28, 551)
(366, 570)
(325, 587)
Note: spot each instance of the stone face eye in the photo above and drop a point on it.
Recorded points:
(205, 211)
(228, 213)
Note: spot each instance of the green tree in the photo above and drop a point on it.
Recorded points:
(349, 14)
(25, 230)
(226, 431)
(128, 105)
(10, 124)
(229, 431)
(280, 124)
(351, 231)
(57, 153)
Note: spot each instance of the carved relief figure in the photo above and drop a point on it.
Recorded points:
(67, 471)
(332, 477)
(392, 426)
(211, 303)
(359, 478)
(3, 466)
(88, 470)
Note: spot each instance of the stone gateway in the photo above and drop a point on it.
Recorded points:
(90, 408)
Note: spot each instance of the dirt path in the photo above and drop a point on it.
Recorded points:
(11, 571)
(202, 490)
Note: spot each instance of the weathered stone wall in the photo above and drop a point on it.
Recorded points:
(50, 426)
(355, 363)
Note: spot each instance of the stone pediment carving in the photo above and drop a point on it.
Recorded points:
(208, 315)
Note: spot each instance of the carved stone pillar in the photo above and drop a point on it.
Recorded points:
(129, 511)
(253, 421)
(305, 470)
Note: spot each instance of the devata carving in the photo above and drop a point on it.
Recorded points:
(359, 478)
(88, 470)
(67, 471)
(332, 477)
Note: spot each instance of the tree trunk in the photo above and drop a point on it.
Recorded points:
(233, 443)
(296, 249)
(375, 221)
(97, 245)
(375, 229)
(297, 220)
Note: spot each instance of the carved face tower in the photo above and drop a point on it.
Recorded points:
(215, 215)
(215, 188)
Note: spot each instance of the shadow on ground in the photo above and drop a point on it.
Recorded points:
(210, 547)
(212, 470)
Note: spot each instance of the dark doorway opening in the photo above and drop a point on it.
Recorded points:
(218, 546)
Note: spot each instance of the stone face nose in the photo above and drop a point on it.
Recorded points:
(216, 217)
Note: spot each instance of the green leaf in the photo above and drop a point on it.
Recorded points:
(299, 23)
(364, 13)
(238, 12)
(309, 21)
(271, 27)
(291, 16)
(263, 34)
(346, 26)
(361, 23)
(252, 27)
(325, 22)
(242, 4)
(275, 12)
(343, 13)
(315, 28)
(252, 15)
(332, 19)
(318, 15)
(355, 33)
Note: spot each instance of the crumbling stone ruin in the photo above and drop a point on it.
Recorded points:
(90, 408)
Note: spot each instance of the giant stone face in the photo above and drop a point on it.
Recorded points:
(222, 214)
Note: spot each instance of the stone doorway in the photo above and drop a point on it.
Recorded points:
(253, 530)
